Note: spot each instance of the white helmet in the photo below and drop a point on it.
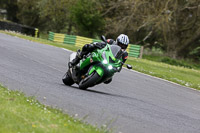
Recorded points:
(122, 41)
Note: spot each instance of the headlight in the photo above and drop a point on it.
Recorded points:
(105, 62)
(110, 67)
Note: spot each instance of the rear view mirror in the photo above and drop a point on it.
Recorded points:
(103, 38)
(129, 66)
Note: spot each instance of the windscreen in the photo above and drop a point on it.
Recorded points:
(116, 51)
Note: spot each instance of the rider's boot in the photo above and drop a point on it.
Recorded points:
(76, 60)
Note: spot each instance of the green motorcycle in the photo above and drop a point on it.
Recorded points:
(97, 67)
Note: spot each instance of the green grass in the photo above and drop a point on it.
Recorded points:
(181, 74)
(164, 59)
(26, 115)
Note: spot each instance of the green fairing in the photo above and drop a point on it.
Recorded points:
(98, 69)
(84, 63)
(96, 56)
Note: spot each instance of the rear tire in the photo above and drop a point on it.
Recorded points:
(89, 81)
(67, 80)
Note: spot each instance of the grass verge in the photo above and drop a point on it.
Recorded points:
(188, 63)
(40, 40)
(181, 75)
(21, 114)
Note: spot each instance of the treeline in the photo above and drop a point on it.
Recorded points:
(171, 25)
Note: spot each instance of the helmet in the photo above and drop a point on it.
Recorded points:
(122, 41)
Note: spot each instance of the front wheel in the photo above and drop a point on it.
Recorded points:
(67, 80)
(108, 81)
(89, 81)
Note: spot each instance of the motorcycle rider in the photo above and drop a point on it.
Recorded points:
(122, 41)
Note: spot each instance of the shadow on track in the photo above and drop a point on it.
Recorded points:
(103, 93)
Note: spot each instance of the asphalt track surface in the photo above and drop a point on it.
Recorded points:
(131, 103)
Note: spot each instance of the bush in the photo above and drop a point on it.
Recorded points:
(195, 54)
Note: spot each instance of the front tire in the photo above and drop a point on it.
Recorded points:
(67, 80)
(108, 81)
(89, 81)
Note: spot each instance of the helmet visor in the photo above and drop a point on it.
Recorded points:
(123, 46)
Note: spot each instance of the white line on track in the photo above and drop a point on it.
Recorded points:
(162, 79)
(67, 50)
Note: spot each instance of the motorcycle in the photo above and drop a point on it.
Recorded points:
(97, 67)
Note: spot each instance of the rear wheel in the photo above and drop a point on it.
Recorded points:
(89, 81)
(67, 80)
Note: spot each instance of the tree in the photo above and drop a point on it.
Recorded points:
(87, 17)
(54, 14)
(173, 23)
(28, 13)
(3, 3)
(11, 7)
